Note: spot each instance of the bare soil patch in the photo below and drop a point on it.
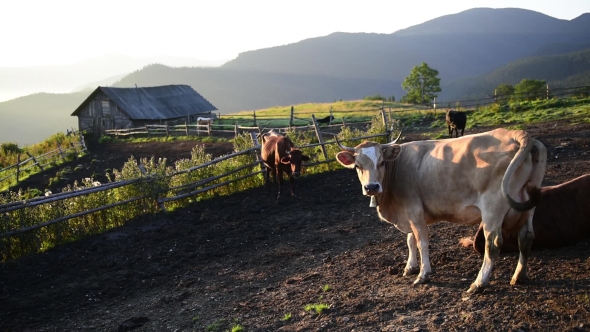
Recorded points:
(244, 259)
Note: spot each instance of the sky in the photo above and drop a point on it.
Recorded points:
(57, 32)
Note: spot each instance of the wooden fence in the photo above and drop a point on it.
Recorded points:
(40, 161)
(178, 192)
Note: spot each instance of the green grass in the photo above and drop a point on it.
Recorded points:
(318, 308)
(287, 317)
(351, 111)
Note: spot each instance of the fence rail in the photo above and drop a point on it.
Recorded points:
(41, 161)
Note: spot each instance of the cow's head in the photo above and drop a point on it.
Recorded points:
(294, 158)
(369, 159)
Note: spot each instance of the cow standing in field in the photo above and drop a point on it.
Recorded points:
(456, 121)
(328, 119)
(493, 177)
(280, 156)
(562, 218)
(204, 121)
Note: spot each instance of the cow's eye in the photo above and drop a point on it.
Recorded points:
(357, 167)
(381, 164)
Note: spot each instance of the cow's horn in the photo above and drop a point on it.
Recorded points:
(394, 141)
(345, 148)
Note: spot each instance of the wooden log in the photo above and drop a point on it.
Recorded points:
(35, 161)
(319, 136)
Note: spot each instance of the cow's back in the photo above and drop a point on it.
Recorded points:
(274, 148)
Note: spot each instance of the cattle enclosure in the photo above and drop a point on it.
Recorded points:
(208, 265)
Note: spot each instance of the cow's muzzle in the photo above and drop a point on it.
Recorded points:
(372, 188)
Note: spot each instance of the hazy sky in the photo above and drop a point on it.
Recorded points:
(36, 32)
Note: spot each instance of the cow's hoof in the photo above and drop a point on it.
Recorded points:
(475, 288)
(420, 281)
(411, 271)
(519, 280)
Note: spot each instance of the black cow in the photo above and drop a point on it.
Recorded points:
(456, 121)
(328, 119)
(280, 155)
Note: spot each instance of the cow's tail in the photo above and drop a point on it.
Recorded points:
(533, 186)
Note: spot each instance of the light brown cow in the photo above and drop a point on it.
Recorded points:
(493, 176)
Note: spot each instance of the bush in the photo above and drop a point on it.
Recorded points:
(10, 148)
(375, 97)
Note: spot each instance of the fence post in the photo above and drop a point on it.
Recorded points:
(17, 166)
(63, 156)
(255, 118)
(384, 117)
(291, 118)
(144, 173)
(258, 156)
(35, 160)
(495, 95)
(209, 128)
(236, 130)
(167, 130)
(186, 127)
(319, 135)
(547, 91)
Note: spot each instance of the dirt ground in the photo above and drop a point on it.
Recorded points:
(244, 259)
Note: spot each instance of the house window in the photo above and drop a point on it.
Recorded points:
(106, 111)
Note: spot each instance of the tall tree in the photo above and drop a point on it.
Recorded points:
(422, 85)
(504, 92)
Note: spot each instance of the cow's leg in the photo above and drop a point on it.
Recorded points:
(462, 131)
(493, 235)
(292, 180)
(279, 180)
(420, 230)
(412, 264)
(450, 131)
(526, 235)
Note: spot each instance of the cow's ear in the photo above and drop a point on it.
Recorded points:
(391, 152)
(304, 157)
(345, 159)
(286, 160)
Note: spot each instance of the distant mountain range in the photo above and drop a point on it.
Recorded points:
(17, 82)
(473, 51)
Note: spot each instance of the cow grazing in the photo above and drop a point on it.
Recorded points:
(456, 121)
(561, 218)
(280, 156)
(204, 121)
(493, 176)
(328, 119)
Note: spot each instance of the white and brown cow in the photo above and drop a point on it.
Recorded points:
(492, 177)
(204, 121)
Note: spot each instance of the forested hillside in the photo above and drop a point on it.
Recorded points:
(566, 70)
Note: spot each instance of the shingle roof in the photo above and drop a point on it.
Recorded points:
(155, 103)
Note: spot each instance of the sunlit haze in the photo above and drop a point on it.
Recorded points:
(70, 31)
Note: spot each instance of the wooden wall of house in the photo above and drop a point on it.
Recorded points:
(100, 113)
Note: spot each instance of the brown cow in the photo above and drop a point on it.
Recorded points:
(280, 156)
(561, 218)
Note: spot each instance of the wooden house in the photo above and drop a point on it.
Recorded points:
(121, 108)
